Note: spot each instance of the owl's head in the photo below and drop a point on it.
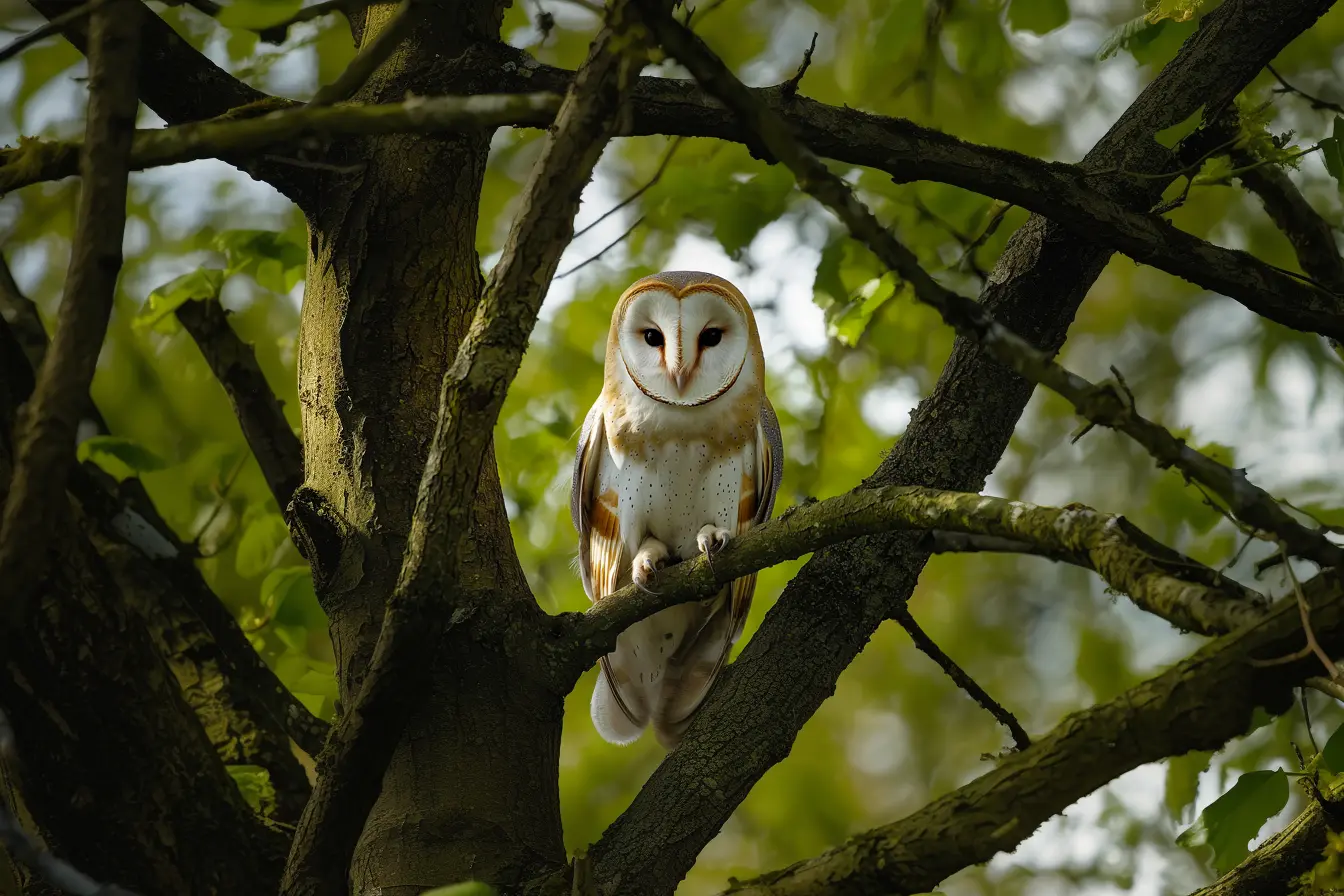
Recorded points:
(684, 336)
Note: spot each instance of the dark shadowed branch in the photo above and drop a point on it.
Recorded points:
(370, 56)
(1198, 704)
(27, 849)
(259, 412)
(279, 32)
(1158, 580)
(1108, 404)
(52, 27)
(47, 432)
(472, 394)
(962, 678)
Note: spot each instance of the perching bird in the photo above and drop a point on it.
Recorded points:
(680, 453)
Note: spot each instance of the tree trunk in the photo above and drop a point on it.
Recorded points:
(393, 280)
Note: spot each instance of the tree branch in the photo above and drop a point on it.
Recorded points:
(1199, 704)
(956, 437)
(1108, 405)
(259, 412)
(908, 152)
(237, 136)
(961, 678)
(1157, 579)
(472, 394)
(47, 431)
(370, 56)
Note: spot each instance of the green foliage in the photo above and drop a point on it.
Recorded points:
(119, 456)
(1039, 16)
(269, 257)
(467, 888)
(1230, 822)
(264, 533)
(1173, 135)
(254, 783)
(1332, 754)
(199, 285)
(1176, 10)
(1332, 149)
(257, 14)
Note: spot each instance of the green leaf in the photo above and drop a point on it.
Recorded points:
(1332, 148)
(119, 456)
(199, 285)
(1230, 822)
(274, 261)
(261, 539)
(1176, 10)
(287, 594)
(254, 783)
(1132, 35)
(1332, 756)
(256, 15)
(467, 888)
(1173, 135)
(1183, 780)
(1038, 16)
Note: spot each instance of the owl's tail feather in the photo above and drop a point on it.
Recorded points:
(610, 716)
(692, 671)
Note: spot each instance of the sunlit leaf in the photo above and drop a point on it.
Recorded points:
(1176, 10)
(1182, 782)
(273, 260)
(254, 783)
(119, 456)
(1230, 822)
(258, 545)
(202, 284)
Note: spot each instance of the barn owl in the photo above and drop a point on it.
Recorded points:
(680, 453)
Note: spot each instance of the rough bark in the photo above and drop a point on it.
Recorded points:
(472, 789)
(955, 438)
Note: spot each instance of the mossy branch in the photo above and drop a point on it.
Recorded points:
(278, 122)
(1106, 404)
(1157, 579)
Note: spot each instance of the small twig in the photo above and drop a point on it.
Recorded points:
(657, 176)
(1306, 717)
(967, 259)
(1316, 102)
(1326, 686)
(961, 678)
(1304, 609)
(603, 251)
(789, 88)
(54, 26)
(32, 854)
(52, 414)
(372, 55)
(997, 211)
(221, 494)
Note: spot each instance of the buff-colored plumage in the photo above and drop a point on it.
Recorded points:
(680, 453)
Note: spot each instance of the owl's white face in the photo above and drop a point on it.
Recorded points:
(683, 351)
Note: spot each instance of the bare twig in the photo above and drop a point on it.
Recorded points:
(962, 678)
(1102, 404)
(648, 184)
(1326, 686)
(473, 390)
(47, 433)
(279, 32)
(790, 87)
(52, 27)
(259, 412)
(370, 56)
(1316, 102)
(1305, 611)
(604, 250)
(32, 854)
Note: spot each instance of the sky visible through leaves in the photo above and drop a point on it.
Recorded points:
(848, 353)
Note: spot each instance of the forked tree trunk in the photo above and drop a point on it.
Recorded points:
(393, 280)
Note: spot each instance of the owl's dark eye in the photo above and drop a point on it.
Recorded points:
(710, 337)
(653, 337)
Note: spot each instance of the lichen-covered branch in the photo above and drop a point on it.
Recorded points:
(47, 431)
(472, 394)
(1107, 405)
(1156, 579)
(1199, 704)
(259, 412)
(272, 123)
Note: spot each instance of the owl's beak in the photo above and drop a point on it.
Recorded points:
(679, 377)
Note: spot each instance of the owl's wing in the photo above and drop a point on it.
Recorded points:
(757, 509)
(586, 462)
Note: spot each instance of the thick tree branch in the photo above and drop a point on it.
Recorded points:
(1199, 704)
(472, 394)
(1157, 579)
(259, 412)
(47, 432)
(370, 56)
(235, 135)
(956, 437)
(1108, 405)
(908, 152)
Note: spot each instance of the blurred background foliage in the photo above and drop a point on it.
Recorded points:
(848, 352)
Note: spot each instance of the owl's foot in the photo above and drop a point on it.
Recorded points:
(652, 556)
(710, 541)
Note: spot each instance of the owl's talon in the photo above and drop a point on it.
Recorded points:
(652, 557)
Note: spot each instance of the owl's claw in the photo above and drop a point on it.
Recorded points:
(652, 557)
(710, 541)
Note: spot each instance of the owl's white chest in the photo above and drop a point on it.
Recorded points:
(671, 490)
